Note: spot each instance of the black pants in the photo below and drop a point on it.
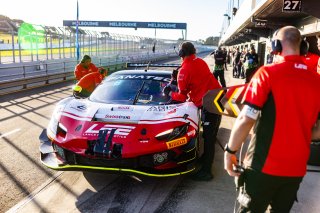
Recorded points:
(235, 71)
(264, 190)
(219, 75)
(211, 123)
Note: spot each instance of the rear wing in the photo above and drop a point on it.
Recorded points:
(151, 65)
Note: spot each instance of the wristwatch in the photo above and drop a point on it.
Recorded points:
(227, 149)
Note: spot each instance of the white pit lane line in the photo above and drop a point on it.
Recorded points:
(9, 133)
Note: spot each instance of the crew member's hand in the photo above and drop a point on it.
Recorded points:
(103, 71)
(77, 95)
(174, 74)
(230, 162)
(167, 90)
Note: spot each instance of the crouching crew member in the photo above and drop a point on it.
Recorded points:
(88, 83)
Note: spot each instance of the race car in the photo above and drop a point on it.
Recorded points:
(126, 125)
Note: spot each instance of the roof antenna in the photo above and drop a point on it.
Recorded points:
(147, 66)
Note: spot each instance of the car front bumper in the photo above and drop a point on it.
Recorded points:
(140, 166)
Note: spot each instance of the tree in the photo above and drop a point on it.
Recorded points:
(212, 41)
(201, 41)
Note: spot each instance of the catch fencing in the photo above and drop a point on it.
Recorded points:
(32, 55)
(29, 43)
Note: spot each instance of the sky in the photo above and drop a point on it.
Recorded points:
(204, 18)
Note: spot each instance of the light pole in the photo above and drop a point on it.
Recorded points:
(228, 18)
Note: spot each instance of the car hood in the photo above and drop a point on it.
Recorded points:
(85, 110)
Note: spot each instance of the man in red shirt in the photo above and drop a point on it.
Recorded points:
(88, 83)
(194, 81)
(283, 101)
(311, 60)
(84, 67)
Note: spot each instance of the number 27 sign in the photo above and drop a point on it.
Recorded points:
(291, 6)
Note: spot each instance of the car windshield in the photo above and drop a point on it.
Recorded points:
(131, 91)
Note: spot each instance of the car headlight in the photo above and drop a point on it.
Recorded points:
(54, 121)
(173, 133)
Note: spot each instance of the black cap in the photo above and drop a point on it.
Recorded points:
(85, 58)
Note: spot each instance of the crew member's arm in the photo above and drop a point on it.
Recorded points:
(94, 68)
(239, 133)
(316, 131)
(181, 96)
(255, 96)
(77, 72)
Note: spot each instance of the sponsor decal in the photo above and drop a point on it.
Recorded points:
(146, 77)
(80, 108)
(176, 143)
(122, 108)
(300, 66)
(118, 116)
(144, 140)
(180, 77)
(172, 111)
(160, 158)
(161, 108)
(121, 131)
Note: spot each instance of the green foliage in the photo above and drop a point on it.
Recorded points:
(212, 41)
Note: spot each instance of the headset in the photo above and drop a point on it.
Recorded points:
(277, 47)
(186, 49)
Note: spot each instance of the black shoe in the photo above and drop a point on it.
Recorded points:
(202, 176)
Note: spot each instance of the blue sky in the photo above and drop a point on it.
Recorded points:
(204, 18)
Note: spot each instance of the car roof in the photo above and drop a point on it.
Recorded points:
(143, 72)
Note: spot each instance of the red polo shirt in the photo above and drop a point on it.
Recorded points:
(90, 81)
(194, 80)
(311, 60)
(287, 93)
(81, 71)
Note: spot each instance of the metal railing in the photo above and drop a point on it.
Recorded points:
(37, 55)
(19, 77)
(35, 43)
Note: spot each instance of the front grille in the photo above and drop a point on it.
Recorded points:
(145, 161)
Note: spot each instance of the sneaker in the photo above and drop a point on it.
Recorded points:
(202, 176)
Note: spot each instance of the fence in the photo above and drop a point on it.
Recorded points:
(36, 55)
(34, 43)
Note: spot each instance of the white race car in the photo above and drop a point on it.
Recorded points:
(126, 125)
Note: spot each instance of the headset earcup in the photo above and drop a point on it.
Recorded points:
(276, 46)
(182, 53)
(304, 47)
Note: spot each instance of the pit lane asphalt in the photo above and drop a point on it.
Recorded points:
(22, 175)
